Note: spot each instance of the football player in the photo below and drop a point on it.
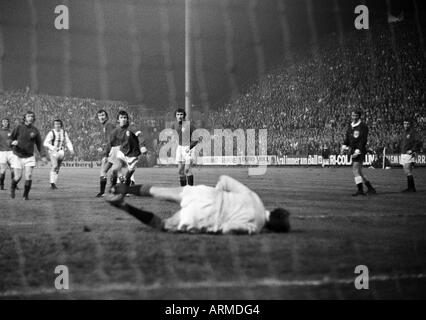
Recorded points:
(22, 139)
(6, 152)
(184, 151)
(130, 148)
(108, 152)
(409, 145)
(355, 143)
(55, 142)
(228, 208)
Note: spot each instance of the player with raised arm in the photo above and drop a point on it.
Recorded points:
(55, 143)
(130, 148)
(22, 139)
(228, 208)
(6, 152)
(108, 151)
(184, 151)
(409, 144)
(355, 143)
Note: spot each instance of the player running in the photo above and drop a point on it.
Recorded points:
(355, 143)
(55, 141)
(22, 139)
(409, 145)
(6, 152)
(228, 208)
(130, 147)
(184, 151)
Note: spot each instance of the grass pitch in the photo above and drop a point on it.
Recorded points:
(110, 255)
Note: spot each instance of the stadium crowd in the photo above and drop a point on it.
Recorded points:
(305, 105)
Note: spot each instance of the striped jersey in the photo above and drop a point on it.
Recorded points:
(57, 140)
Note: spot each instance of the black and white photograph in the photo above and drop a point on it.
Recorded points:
(212, 150)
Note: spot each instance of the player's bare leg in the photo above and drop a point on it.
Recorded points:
(105, 166)
(2, 175)
(370, 189)
(17, 177)
(360, 179)
(118, 172)
(408, 170)
(28, 172)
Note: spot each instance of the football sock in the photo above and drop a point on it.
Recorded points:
(103, 182)
(190, 180)
(182, 180)
(129, 176)
(410, 182)
(114, 179)
(145, 217)
(368, 184)
(12, 174)
(27, 187)
(2, 176)
(360, 188)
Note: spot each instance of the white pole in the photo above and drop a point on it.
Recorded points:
(384, 158)
(188, 58)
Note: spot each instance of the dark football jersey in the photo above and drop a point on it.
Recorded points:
(27, 137)
(184, 130)
(409, 141)
(129, 143)
(4, 140)
(356, 137)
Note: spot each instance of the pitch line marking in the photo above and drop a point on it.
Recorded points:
(266, 282)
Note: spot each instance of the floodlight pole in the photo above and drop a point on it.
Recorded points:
(188, 58)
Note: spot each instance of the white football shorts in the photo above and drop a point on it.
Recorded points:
(130, 162)
(20, 163)
(183, 154)
(112, 157)
(6, 157)
(406, 159)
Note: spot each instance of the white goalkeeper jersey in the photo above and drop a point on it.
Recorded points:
(229, 207)
(56, 140)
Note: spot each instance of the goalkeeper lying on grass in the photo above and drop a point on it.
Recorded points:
(230, 207)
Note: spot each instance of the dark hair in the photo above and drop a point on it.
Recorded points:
(60, 121)
(103, 111)
(278, 220)
(123, 113)
(181, 110)
(29, 112)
